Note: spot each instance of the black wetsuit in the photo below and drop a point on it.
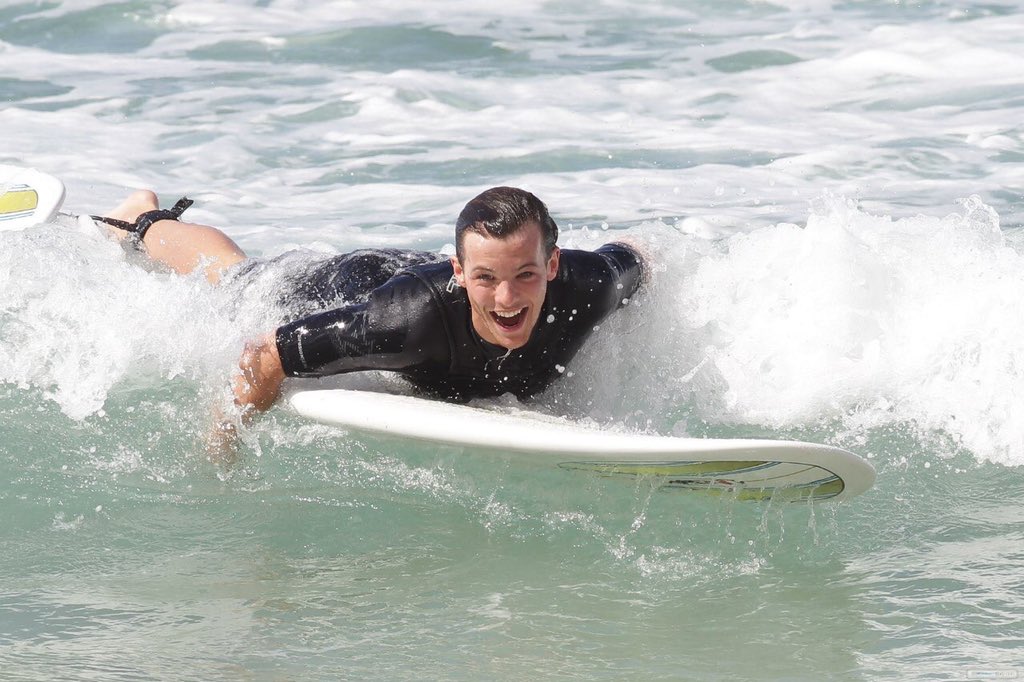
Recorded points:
(418, 323)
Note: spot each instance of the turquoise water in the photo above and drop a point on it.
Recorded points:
(834, 193)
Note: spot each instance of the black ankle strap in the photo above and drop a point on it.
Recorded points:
(146, 220)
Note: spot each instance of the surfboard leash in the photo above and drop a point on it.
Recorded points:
(145, 220)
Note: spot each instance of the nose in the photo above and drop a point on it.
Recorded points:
(504, 295)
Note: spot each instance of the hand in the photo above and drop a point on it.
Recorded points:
(258, 384)
(256, 387)
(222, 440)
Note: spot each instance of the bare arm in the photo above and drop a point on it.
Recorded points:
(255, 389)
(258, 385)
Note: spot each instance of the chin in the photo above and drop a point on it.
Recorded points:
(519, 340)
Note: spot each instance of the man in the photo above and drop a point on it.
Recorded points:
(506, 314)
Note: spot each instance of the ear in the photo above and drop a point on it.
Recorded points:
(553, 264)
(460, 276)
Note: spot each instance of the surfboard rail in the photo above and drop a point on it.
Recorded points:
(748, 468)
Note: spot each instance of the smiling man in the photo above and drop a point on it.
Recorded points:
(506, 314)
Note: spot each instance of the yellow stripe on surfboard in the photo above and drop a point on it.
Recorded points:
(18, 201)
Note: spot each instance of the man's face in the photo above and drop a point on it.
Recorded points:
(506, 281)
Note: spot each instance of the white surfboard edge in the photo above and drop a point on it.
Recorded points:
(28, 197)
(745, 468)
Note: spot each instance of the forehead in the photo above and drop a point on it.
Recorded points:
(524, 245)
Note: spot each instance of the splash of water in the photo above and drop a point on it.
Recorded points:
(78, 318)
(862, 319)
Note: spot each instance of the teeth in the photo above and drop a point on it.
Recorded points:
(501, 314)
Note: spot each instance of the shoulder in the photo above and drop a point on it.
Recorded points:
(417, 300)
(417, 283)
(614, 264)
(616, 254)
(429, 277)
(623, 257)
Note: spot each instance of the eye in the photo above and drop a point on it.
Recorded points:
(484, 277)
(529, 274)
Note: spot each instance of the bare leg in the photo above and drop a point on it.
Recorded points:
(183, 247)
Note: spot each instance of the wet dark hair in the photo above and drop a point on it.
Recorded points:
(501, 212)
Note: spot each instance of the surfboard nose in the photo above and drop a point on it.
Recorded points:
(27, 197)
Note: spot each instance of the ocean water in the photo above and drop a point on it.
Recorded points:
(834, 194)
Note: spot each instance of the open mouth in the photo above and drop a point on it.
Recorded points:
(508, 320)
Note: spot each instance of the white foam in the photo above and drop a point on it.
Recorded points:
(855, 317)
(80, 320)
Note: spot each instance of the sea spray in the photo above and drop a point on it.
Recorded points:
(80, 317)
(855, 318)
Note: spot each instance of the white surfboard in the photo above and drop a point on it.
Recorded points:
(28, 197)
(743, 468)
